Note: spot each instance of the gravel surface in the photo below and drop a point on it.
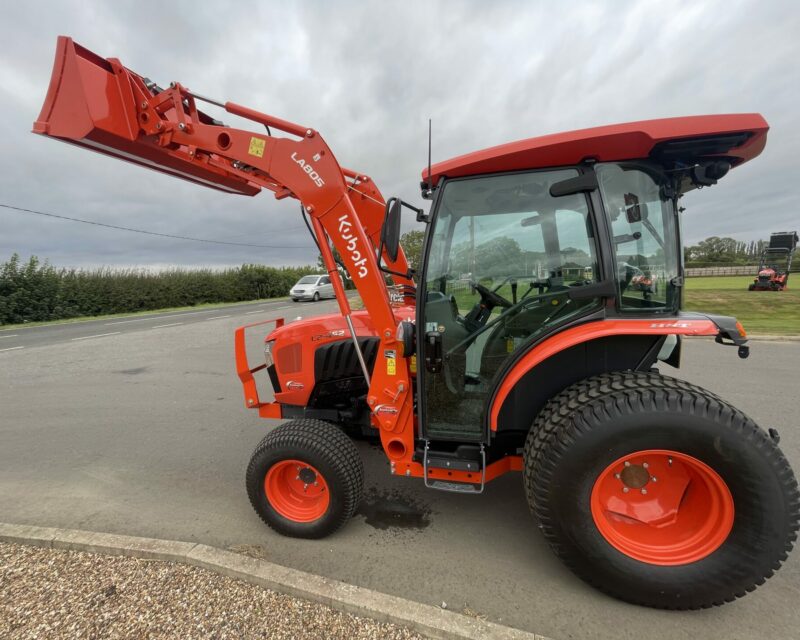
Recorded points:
(50, 594)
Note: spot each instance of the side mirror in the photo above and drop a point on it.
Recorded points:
(390, 234)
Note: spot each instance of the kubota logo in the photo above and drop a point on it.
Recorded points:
(346, 232)
(315, 177)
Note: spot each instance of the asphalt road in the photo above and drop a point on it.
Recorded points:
(144, 432)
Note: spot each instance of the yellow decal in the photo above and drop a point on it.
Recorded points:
(391, 366)
(256, 147)
(510, 345)
(413, 364)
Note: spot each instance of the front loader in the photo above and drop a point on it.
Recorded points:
(549, 291)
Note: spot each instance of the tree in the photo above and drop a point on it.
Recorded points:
(411, 242)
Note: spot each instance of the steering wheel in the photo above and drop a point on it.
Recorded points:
(491, 298)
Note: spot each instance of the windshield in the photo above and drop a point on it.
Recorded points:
(308, 280)
(644, 231)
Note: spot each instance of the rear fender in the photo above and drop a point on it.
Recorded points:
(724, 328)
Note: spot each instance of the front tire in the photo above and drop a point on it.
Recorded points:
(659, 492)
(305, 479)
(316, 296)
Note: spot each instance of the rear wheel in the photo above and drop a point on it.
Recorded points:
(658, 492)
(305, 479)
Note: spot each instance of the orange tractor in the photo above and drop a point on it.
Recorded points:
(776, 263)
(550, 287)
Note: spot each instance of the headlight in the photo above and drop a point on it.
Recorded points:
(268, 353)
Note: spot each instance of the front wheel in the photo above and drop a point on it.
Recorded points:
(659, 492)
(316, 296)
(305, 479)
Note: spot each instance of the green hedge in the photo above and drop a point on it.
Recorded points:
(34, 291)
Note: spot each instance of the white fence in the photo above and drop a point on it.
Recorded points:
(738, 270)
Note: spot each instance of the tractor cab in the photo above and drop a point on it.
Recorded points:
(514, 257)
(511, 257)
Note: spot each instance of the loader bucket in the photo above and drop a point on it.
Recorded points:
(90, 105)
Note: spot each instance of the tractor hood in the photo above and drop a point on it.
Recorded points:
(331, 327)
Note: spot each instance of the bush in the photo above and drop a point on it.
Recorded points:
(34, 291)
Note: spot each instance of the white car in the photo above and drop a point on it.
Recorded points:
(313, 287)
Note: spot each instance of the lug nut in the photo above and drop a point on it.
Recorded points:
(645, 465)
(644, 491)
(617, 476)
(627, 464)
(625, 489)
(653, 478)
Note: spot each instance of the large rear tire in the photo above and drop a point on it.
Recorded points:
(305, 479)
(658, 492)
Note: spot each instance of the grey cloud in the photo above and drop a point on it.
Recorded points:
(368, 76)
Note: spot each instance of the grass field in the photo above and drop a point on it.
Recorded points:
(761, 312)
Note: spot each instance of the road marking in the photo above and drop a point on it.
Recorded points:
(161, 326)
(13, 335)
(217, 317)
(279, 308)
(156, 317)
(99, 335)
(249, 313)
(12, 348)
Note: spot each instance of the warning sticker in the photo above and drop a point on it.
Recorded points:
(391, 366)
(413, 363)
(256, 147)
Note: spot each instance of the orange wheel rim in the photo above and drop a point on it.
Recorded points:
(662, 507)
(297, 491)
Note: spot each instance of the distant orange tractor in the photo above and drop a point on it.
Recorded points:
(776, 263)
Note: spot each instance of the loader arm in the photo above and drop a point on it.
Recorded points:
(98, 103)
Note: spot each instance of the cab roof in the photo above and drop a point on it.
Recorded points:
(735, 137)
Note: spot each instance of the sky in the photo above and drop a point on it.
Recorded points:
(368, 75)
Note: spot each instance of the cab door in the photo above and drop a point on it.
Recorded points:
(503, 257)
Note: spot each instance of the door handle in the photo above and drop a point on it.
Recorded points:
(433, 351)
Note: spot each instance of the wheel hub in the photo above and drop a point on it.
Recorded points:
(296, 490)
(634, 476)
(662, 507)
(307, 475)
